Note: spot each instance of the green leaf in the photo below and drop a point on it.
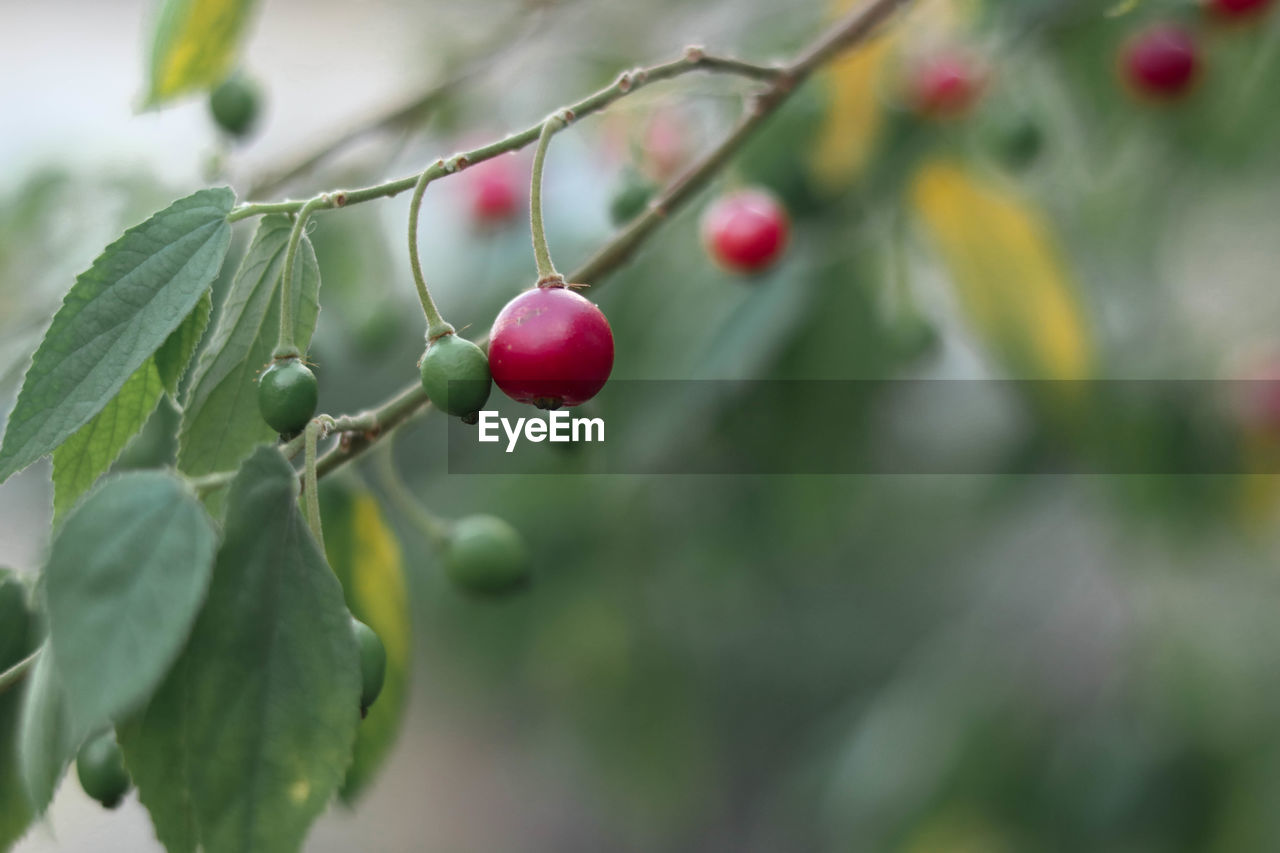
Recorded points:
(251, 733)
(175, 353)
(46, 739)
(221, 424)
(16, 634)
(363, 552)
(15, 813)
(118, 313)
(125, 579)
(195, 45)
(17, 631)
(159, 758)
(86, 455)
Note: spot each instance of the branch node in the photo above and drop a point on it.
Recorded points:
(695, 53)
(340, 198)
(624, 82)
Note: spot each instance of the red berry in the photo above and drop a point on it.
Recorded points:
(497, 190)
(746, 231)
(1162, 61)
(550, 347)
(944, 86)
(667, 144)
(1237, 8)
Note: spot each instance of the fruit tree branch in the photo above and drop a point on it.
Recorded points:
(360, 432)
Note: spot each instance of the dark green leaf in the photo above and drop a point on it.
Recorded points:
(221, 424)
(17, 630)
(15, 812)
(195, 45)
(364, 554)
(113, 320)
(158, 755)
(16, 633)
(125, 579)
(265, 698)
(46, 739)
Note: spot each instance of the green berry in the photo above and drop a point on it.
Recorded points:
(1017, 140)
(630, 198)
(486, 556)
(100, 767)
(455, 375)
(373, 663)
(234, 105)
(287, 395)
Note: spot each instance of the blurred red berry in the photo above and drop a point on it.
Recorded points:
(1161, 61)
(1238, 8)
(746, 231)
(496, 190)
(945, 85)
(667, 145)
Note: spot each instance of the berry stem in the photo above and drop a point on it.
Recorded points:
(436, 325)
(285, 344)
(541, 251)
(434, 528)
(310, 482)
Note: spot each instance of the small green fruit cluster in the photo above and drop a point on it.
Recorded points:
(455, 375)
(287, 395)
(100, 767)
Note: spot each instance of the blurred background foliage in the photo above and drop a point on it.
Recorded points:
(932, 664)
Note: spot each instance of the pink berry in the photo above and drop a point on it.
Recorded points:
(945, 86)
(1238, 8)
(1162, 61)
(496, 188)
(746, 231)
(550, 347)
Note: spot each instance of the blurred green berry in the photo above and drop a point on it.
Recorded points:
(235, 105)
(486, 556)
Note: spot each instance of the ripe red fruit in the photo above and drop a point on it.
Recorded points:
(1161, 61)
(746, 231)
(945, 86)
(550, 347)
(1237, 8)
(497, 190)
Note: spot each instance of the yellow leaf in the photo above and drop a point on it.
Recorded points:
(363, 552)
(851, 127)
(195, 46)
(1008, 274)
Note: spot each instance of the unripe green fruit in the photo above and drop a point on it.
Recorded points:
(486, 556)
(1017, 141)
(631, 197)
(234, 105)
(455, 375)
(100, 767)
(287, 395)
(373, 663)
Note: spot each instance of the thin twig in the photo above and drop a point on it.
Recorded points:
(18, 671)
